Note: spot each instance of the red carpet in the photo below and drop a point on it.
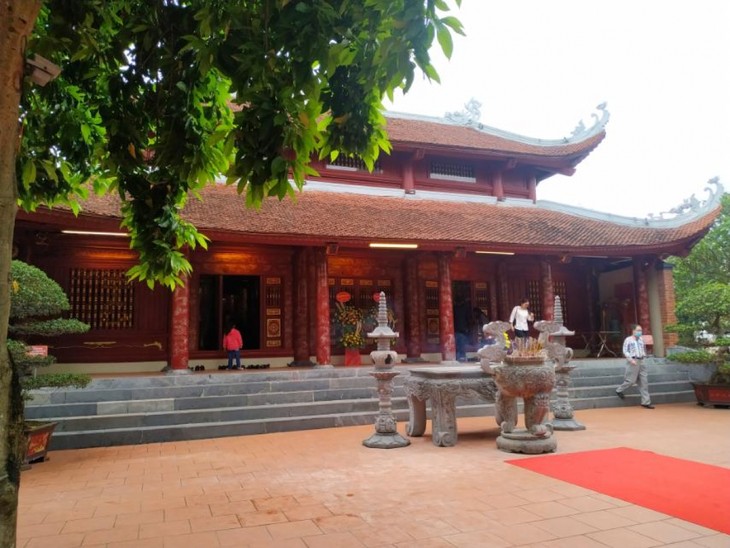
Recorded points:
(695, 492)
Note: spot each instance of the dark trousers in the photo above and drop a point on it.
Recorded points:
(234, 354)
(461, 341)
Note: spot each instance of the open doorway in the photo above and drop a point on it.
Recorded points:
(225, 300)
(242, 305)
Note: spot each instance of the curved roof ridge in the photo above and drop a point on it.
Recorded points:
(470, 119)
(690, 210)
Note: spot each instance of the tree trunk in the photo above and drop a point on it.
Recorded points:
(17, 18)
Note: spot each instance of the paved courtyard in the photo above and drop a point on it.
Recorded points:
(323, 489)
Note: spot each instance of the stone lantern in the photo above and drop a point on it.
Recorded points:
(386, 434)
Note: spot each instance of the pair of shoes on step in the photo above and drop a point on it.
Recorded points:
(258, 366)
(199, 368)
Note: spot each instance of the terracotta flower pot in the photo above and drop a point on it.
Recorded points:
(39, 437)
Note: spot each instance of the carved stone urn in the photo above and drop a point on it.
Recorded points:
(531, 378)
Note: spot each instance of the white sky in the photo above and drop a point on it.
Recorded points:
(538, 67)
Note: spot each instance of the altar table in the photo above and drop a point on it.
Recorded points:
(442, 385)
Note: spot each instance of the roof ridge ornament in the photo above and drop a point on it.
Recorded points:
(470, 116)
(690, 210)
(692, 206)
(599, 122)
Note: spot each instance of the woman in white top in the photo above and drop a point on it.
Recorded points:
(519, 317)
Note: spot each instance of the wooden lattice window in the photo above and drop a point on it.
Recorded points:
(332, 292)
(433, 316)
(273, 292)
(274, 312)
(350, 163)
(365, 295)
(452, 171)
(534, 295)
(102, 298)
(481, 296)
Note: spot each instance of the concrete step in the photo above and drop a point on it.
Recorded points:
(220, 385)
(227, 414)
(130, 410)
(192, 431)
(199, 402)
(610, 389)
(632, 399)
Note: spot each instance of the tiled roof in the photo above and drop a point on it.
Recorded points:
(355, 219)
(429, 133)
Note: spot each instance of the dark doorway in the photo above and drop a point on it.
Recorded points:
(242, 305)
(226, 300)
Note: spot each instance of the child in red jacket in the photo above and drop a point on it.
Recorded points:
(232, 343)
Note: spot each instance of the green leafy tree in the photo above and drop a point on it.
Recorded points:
(156, 99)
(702, 281)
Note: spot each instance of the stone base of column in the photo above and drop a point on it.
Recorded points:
(567, 425)
(391, 440)
(324, 366)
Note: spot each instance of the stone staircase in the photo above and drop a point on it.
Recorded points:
(147, 409)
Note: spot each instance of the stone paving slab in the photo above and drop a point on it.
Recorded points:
(322, 488)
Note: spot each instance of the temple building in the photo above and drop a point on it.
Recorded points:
(448, 225)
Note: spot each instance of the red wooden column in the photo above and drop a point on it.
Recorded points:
(301, 308)
(591, 292)
(548, 291)
(396, 299)
(323, 309)
(642, 293)
(503, 284)
(446, 309)
(408, 183)
(179, 341)
(412, 309)
(498, 186)
(311, 301)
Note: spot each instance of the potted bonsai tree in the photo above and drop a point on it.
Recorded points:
(706, 308)
(712, 388)
(702, 284)
(36, 305)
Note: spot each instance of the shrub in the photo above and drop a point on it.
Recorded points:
(36, 305)
(722, 375)
(693, 356)
(57, 380)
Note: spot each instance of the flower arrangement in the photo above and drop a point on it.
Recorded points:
(348, 325)
(352, 339)
(348, 315)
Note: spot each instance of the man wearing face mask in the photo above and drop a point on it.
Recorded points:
(635, 352)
